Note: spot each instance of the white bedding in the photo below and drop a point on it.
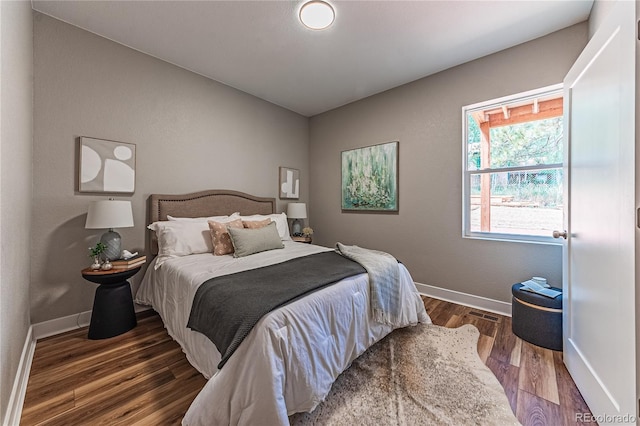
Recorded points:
(290, 359)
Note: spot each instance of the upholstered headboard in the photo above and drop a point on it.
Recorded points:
(215, 202)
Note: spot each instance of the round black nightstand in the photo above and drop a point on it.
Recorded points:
(113, 311)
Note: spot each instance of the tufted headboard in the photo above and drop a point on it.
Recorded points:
(214, 202)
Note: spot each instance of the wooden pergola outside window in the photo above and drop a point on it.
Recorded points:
(506, 115)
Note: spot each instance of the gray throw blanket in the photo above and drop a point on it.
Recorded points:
(384, 274)
(226, 308)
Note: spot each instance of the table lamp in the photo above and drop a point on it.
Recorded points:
(297, 211)
(110, 214)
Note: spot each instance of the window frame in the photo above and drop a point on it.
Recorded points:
(466, 173)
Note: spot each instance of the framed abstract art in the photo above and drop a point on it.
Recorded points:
(289, 183)
(370, 178)
(106, 166)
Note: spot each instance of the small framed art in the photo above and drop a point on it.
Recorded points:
(289, 183)
(370, 178)
(106, 166)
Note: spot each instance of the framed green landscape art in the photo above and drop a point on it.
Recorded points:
(370, 178)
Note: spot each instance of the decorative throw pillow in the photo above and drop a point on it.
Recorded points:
(255, 224)
(220, 236)
(250, 241)
(279, 218)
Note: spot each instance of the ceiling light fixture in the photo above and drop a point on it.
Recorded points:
(317, 14)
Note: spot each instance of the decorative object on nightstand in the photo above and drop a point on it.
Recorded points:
(110, 214)
(130, 262)
(113, 312)
(126, 255)
(297, 211)
(96, 252)
(304, 237)
(106, 265)
(96, 264)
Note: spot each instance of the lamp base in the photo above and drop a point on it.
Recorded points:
(296, 227)
(111, 239)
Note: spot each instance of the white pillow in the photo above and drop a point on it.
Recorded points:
(279, 219)
(182, 238)
(201, 219)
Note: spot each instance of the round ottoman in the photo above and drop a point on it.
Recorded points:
(537, 318)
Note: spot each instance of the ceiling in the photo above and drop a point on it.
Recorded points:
(261, 48)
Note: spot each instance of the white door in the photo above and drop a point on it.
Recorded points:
(599, 254)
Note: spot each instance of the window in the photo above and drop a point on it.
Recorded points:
(513, 152)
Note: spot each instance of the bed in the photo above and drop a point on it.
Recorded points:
(289, 360)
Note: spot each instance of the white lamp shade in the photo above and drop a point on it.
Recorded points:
(108, 214)
(297, 211)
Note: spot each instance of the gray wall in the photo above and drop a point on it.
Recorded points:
(191, 133)
(16, 135)
(425, 116)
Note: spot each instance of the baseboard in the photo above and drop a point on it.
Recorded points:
(473, 301)
(68, 323)
(19, 389)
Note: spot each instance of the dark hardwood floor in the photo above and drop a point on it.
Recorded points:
(143, 378)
